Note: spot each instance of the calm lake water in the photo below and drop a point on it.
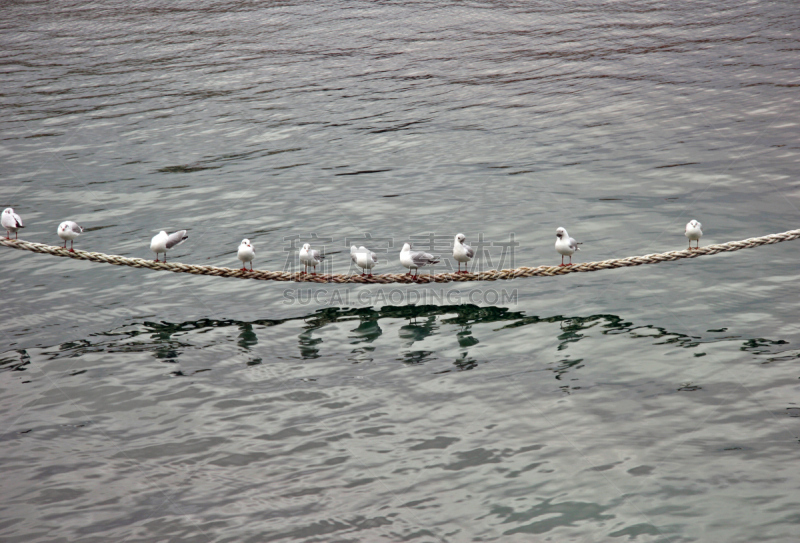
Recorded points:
(650, 404)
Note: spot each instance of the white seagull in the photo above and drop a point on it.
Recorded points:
(694, 232)
(363, 258)
(11, 222)
(565, 245)
(162, 242)
(462, 252)
(246, 253)
(415, 259)
(68, 231)
(310, 257)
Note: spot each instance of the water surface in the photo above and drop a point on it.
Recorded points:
(650, 404)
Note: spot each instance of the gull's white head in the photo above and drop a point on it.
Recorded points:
(8, 210)
(406, 247)
(306, 247)
(63, 226)
(246, 242)
(693, 224)
(162, 233)
(461, 238)
(561, 233)
(353, 249)
(362, 248)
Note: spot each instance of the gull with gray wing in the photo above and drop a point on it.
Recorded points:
(163, 242)
(310, 257)
(11, 222)
(68, 231)
(363, 258)
(462, 252)
(565, 245)
(416, 259)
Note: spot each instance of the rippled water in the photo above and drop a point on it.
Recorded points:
(648, 404)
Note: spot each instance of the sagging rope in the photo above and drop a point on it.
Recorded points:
(491, 275)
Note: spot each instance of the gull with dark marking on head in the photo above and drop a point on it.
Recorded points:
(310, 257)
(11, 222)
(162, 242)
(415, 259)
(565, 245)
(462, 252)
(694, 232)
(68, 231)
(246, 253)
(363, 258)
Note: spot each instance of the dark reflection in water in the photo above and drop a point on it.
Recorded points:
(168, 342)
(15, 360)
(367, 331)
(247, 337)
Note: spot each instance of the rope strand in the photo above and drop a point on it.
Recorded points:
(491, 275)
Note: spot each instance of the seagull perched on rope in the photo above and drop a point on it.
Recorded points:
(11, 222)
(310, 257)
(565, 245)
(246, 253)
(363, 258)
(415, 259)
(462, 252)
(694, 232)
(68, 231)
(161, 242)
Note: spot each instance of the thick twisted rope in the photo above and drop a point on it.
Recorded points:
(491, 275)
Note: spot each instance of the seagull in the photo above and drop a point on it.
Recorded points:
(363, 258)
(162, 242)
(566, 246)
(415, 259)
(310, 257)
(462, 252)
(68, 231)
(246, 253)
(693, 232)
(11, 222)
